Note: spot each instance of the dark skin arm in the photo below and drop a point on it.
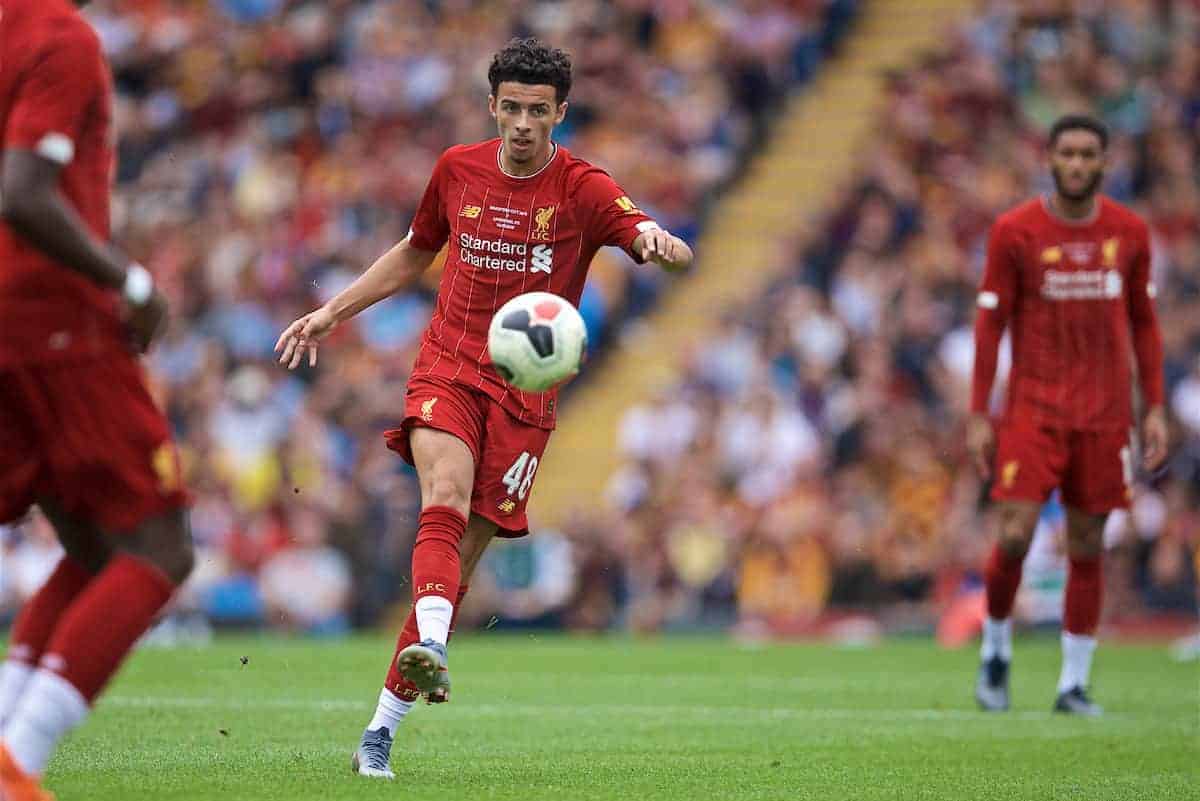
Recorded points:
(32, 205)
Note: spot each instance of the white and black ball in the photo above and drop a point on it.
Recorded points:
(536, 341)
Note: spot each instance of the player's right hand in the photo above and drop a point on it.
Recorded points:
(981, 443)
(303, 335)
(145, 321)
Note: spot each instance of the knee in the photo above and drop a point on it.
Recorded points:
(1085, 544)
(181, 563)
(1016, 534)
(176, 559)
(165, 543)
(445, 491)
(1085, 534)
(93, 556)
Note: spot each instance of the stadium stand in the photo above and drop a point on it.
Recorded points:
(269, 150)
(811, 455)
(806, 464)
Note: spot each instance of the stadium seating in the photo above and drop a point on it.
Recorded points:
(270, 150)
(811, 456)
(810, 459)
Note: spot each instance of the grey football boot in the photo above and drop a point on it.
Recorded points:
(991, 688)
(1075, 701)
(374, 755)
(424, 664)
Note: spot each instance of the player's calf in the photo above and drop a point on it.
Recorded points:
(1083, 602)
(93, 637)
(1016, 521)
(34, 627)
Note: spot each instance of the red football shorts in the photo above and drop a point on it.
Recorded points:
(506, 451)
(1093, 469)
(88, 437)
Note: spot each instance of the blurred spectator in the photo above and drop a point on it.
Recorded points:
(28, 554)
(306, 585)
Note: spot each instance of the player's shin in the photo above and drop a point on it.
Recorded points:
(1003, 579)
(88, 645)
(399, 694)
(33, 628)
(436, 570)
(1082, 604)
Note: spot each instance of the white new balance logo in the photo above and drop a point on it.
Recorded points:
(541, 259)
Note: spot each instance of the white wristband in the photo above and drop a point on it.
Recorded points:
(139, 286)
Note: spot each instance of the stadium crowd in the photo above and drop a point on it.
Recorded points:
(810, 460)
(270, 149)
(812, 457)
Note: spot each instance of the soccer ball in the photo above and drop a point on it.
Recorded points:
(537, 340)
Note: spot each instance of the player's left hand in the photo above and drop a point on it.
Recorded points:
(145, 321)
(302, 336)
(664, 249)
(1154, 438)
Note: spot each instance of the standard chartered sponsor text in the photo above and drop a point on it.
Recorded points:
(1081, 285)
(490, 254)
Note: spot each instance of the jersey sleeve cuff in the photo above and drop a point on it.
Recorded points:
(421, 243)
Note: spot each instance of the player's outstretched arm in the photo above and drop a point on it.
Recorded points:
(664, 249)
(395, 271)
(33, 206)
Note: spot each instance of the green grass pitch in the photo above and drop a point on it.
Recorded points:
(544, 717)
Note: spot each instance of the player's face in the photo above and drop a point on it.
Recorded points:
(525, 115)
(1077, 162)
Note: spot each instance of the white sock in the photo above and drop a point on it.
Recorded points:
(433, 618)
(389, 712)
(1077, 650)
(50, 707)
(13, 677)
(997, 639)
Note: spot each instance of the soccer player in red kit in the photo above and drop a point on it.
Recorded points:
(517, 214)
(1069, 274)
(80, 435)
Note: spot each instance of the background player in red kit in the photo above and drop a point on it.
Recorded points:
(1070, 273)
(518, 213)
(79, 434)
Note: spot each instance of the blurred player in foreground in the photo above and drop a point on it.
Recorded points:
(80, 435)
(1070, 273)
(517, 214)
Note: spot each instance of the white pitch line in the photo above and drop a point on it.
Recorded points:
(191, 702)
(731, 714)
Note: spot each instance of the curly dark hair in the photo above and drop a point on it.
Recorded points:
(1078, 122)
(534, 62)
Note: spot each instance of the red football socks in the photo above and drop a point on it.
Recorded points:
(436, 565)
(401, 687)
(1084, 596)
(34, 626)
(105, 620)
(1003, 578)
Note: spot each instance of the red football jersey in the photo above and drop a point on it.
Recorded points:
(56, 100)
(1078, 298)
(510, 235)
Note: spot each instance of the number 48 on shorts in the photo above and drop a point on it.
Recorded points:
(519, 478)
